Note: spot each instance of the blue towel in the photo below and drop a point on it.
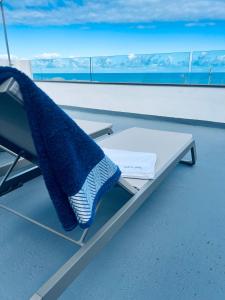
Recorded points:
(76, 171)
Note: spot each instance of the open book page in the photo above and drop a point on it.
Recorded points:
(132, 164)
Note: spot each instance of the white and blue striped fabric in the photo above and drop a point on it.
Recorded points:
(84, 202)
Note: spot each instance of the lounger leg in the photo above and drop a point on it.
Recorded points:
(110, 131)
(193, 156)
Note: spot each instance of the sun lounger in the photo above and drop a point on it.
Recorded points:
(170, 148)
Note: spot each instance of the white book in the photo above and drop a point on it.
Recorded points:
(133, 164)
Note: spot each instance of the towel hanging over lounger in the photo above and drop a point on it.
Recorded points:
(75, 169)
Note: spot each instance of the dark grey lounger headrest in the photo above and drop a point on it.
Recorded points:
(14, 125)
(11, 86)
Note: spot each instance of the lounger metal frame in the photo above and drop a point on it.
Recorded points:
(55, 286)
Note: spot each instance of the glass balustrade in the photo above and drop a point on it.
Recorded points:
(186, 68)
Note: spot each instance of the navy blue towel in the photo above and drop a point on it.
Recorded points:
(75, 169)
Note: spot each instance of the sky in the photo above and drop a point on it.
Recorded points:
(66, 28)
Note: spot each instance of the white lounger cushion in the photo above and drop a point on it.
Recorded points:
(167, 146)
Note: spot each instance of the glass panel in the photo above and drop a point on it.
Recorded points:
(62, 69)
(208, 67)
(141, 68)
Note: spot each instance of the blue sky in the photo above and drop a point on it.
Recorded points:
(47, 28)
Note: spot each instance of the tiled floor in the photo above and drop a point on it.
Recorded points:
(172, 248)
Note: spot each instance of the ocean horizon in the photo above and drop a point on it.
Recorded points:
(217, 78)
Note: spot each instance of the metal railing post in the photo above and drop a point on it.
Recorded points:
(5, 32)
(90, 68)
(210, 76)
(190, 66)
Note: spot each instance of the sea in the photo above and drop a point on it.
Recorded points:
(217, 78)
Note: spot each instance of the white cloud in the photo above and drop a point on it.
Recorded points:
(5, 56)
(142, 63)
(61, 65)
(209, 60)
(141, 26)
(59, 12)
(221, 58)
(48, 55)
(200, 24)
(131, 56)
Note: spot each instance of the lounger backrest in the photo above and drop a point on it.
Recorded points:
(15, 132)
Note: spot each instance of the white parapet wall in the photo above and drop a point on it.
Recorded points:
(198, 103)
(23, 65)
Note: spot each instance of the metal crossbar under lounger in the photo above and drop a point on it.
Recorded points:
(10, 107)
(170, 148)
